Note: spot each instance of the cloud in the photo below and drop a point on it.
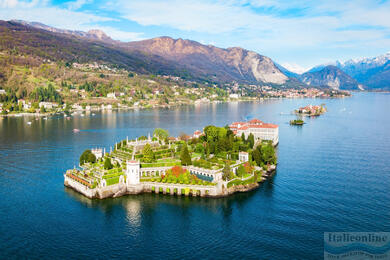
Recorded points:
(270, 26)
(286, 30)
(75, 5)
(64, 18)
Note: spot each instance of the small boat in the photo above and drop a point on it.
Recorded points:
(29, 122)
(82, 115)
(93, 114)
(76, 130)
(68, 117)
(45, 118)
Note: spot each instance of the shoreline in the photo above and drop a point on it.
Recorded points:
(120, 189)
(99, 109)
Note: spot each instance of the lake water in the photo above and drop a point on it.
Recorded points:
(333, 175)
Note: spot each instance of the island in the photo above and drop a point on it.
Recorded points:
(297, 122)
(311, 110)
(215, 162)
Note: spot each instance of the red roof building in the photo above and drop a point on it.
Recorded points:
(259, 129)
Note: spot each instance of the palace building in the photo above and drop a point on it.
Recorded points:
(259, 129)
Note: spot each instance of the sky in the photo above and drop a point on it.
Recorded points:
(294, 33)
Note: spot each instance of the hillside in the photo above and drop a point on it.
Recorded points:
(332, 77)
(163, 55)
(19, 39)
(225, 64)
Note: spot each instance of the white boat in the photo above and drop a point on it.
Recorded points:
(29, 122)
(76, 130)
(45, 118)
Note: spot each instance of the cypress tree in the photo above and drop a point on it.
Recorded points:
(185, 156)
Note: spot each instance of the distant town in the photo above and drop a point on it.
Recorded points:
(215, 162)
(83, 87)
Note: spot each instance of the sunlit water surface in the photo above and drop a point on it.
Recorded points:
(333, 175)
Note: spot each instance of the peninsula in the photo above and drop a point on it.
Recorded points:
(215, 162)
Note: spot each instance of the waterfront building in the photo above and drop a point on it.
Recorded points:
(259, 129)
(48, 105)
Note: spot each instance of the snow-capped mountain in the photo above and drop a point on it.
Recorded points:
(374, 72)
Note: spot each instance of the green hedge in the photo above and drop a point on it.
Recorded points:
(112, 181)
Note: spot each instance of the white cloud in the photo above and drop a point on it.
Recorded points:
(291, 31)
(75, 5)
(61, 18)
(270, 26)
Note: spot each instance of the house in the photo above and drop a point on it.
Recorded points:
(197, 134)
(113, 95)
(243, 156)
(48, 105)
(259, 129)
(77, 107)
(234, 96)
(26, 105)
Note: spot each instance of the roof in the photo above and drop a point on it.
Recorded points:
(255, 121)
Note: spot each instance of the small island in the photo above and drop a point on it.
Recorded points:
(311, 110)
(297, 122)
(215, 162)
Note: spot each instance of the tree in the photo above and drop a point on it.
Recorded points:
(107, 164)
(148, 153)
(243, 137)
(211, 132)
(91, 158)
(86, 157)
(226, 172)
(185, 156)
(241, 171)
(161, 133)
(199, 148)
(257, 156)
(251, 140)
(268, 154)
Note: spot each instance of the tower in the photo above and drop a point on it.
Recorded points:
(132, 172)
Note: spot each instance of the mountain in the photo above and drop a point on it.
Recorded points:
(287, 72)
(163, 55)
(226, 64)
(332, 77)
(374, 72)
(91, 34)
(20, 39)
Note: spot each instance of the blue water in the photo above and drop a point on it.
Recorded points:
(333, 175)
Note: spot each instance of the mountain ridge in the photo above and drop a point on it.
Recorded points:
(332, 77)
(205, 62)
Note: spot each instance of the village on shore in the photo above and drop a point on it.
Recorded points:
(137, 92)
(215, 162)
